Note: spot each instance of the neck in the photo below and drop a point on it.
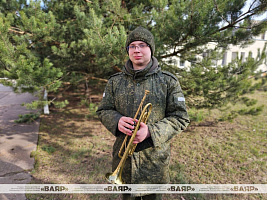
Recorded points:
(136, 67)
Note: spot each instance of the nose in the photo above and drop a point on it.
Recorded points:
(136, 49)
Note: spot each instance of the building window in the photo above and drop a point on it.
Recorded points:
(263, 36)
(205, 54)
(224, 60)
(182, 63)
(214, 62)
(234, 55)
(243, 56)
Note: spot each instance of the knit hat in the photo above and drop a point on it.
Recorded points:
(141, 34)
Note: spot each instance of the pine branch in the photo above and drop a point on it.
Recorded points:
(88, 1)
(220, 11)
(116, 68)
(99, 79)
(5, 67)
(87, 76)
(174, 53)
(233, 24)
(196, 43)
(6, 45)
(19, 31)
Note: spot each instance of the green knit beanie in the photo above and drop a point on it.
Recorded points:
(141, 34)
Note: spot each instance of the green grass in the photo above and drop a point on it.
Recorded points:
(76, 149)
(223, 153)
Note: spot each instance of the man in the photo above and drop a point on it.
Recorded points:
(123, 93)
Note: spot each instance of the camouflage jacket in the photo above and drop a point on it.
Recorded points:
(122, 96)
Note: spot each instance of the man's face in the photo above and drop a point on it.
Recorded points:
(140, 55)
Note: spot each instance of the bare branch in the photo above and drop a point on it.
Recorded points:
(19, 31)
(87, 76)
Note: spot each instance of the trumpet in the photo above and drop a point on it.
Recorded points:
(116, 176)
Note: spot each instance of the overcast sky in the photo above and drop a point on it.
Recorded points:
(261, 17)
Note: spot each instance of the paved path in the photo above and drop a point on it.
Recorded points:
(17, 141)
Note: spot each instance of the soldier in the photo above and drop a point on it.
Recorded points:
(123, 93)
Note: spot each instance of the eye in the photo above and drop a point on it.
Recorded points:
(131, 46)
(142, 45)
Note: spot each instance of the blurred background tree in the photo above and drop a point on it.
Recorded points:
(46, 43)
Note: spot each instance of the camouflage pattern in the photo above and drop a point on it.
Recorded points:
(122, 96)
(141, 34)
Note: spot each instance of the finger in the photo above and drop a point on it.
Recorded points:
(125, 119)
(142, 124)
(124, 130)
(128, 120)
(127, 125)
(127, 131)
(142, 127)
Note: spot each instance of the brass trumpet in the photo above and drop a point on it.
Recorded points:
(116, 176)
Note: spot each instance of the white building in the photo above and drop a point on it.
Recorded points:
(233, 52)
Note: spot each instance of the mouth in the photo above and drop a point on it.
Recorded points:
(137, 57)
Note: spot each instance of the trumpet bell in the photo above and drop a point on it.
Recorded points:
(114, 179)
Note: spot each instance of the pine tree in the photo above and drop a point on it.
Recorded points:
(24, 30)
(43, 45)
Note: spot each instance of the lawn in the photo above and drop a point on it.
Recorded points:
(75, 148)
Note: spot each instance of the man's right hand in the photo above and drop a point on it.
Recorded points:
(126, 125)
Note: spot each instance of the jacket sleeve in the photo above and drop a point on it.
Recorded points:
(176, 117)
(106, 111)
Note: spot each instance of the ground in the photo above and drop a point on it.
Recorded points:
(75, 148)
